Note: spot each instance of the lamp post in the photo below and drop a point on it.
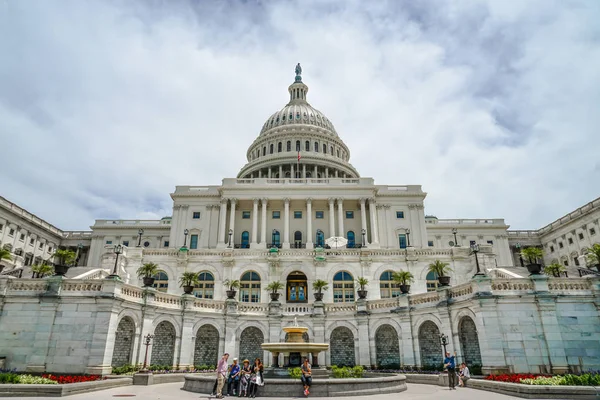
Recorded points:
(444, 341)
(185, 233)
(364, 233)
(148, 340)
(118, 249)
(475, 250)
(454, 232)
(230, 234)
(140, 233)
(518, 247)
(407, 237)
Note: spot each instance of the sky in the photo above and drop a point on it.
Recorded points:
(492, 106)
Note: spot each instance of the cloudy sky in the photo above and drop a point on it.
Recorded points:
(494, 107)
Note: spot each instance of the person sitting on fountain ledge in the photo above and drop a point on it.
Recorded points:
(256, 379)
(306, 376)
(245, 372)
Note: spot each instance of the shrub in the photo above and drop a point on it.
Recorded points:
(544, 380)
(475, 369)
(125, 369)
(295, 373)
(587, 379)
(347, 372)
(9, 377)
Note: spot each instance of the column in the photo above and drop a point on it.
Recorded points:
(231, 222)
(309, 240)
(315, 174)
(269, 175)
(303, 171)
(326, 172)
(292, 175)
(260, 173)
(340, 203)
(263, 223)
(255, 221)
(331, 218)
(222, 222)
(286, 225)
(336, 173)
(374, 233)
(363, 220)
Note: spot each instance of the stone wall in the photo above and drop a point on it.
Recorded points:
(469, 342)
(206, 349)
(124, 337)
(163, 345)
(429, 345)
(250, 341)
(386, 347)
(341, 347)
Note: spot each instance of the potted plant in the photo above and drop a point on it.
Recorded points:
(532, 255)
(274, 288)
(554, 269)
(40, 271)
(232, 285)
(403, 278)
(188, 281)
(441, 268)
(319, 285)
(147, 272)
(5, 255)
(63, 260)
(362, 282)
(593, 256)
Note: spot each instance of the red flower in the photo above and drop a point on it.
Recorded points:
(66, 379)
(512, 378)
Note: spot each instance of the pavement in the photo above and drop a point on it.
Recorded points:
(172, 391)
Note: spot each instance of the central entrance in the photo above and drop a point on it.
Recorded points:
(297, 288)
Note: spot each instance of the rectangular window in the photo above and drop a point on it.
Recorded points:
(196, 215)
(592, 231)
(566, 263)
(430, 243)
(402, 239)
(580, 236)
(194, 242)
(551, 249)
(1, 227)
(49, 249)
(297, 214)
(166, 243)
(126, 243)
(245, 214)
(490, 242)
(561, 245)
(42, 245)
(31, 241)
(276, 214)
(319, 214)
(11, 232)
(107, 242)
(349, 214)
(22, 237)
(570, 240)
(399, 214)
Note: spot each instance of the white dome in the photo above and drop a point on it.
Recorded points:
(298, 113)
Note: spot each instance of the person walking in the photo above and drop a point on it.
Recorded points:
(450, 365)
(221, 374)
(306, 376)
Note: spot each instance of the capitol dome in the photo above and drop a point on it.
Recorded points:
(298, 141)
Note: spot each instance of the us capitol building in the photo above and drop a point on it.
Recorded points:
(298, 211)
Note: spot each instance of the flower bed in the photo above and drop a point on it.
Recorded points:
(588, 379)
(161, 369)
(13, 377)
(64, 379)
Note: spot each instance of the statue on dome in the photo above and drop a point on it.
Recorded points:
(298, 73)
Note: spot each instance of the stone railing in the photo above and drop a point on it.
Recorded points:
(292, 309)
(253, 308)
(424, 298)
(97, 273)
(340, 308)
(465, 289)
(383, 304)
(132, 292)
(27, 285)
(503, 274)
(512, 285)
(82, 286)
(167, 300)
(569, 285)
(208, 305)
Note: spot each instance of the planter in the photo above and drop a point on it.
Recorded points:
(534, 269)
(444, 280)
(61, 270)
(275, 296)
(148, 281)
(404, 289)
(318, 296)
(230, 294)
(362, 294)
(187, 289)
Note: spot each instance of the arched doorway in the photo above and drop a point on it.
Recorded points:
(206, 349)
(429, 345)
(250, 341)
(245, 240)
(124, 337)
(387, 348)
(351, 239)
(297, 289)
(469, 341)
(341, 347)
(163, 346)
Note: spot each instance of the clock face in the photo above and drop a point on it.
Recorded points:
(451, 243)
(146, 244)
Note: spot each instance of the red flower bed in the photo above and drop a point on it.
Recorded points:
(64, 379)
(512, 378)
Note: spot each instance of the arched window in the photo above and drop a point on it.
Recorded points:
(324, 148)
(307, 146)
(316, 147)
(271, 148)
(245, 240)
(297, 145)
(320, 238)
(388, 288)
(297, 287)
(331, 150)
(351, 241)
(338, 153)
(432, 282)
(161, 281)
(298, 240)
(343, 287)
(250, 287)
(276, 238)
(264, 150)
(206, 286)
(279, 147)
(288, 146)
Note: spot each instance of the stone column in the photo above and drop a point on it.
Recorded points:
(309, 240)
(363, 219)
(286, 224)
(364, 357)
(326, 172)
(269, 174)
(374, 232)
(222, 222)
(254, 242)
(340, 203)
(292, 175)
(331, 218)
(315, 173)
(263, 223)
(232, 222)
(304, 171)
(281, 172)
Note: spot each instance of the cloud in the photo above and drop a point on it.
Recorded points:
(491, 106)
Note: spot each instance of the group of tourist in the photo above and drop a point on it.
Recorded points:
(463, 375)
(242, 380)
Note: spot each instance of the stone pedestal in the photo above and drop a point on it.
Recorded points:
(318, 308)
(143, 378)
(361, 306)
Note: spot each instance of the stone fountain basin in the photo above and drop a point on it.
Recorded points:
(281, 387)
(295, 347)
